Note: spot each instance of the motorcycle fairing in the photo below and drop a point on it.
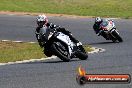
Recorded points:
(65, 38)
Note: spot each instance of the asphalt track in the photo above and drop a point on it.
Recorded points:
(54, 73)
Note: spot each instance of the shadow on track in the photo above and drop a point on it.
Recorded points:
(98, 43)
(61, 61)
(52, 61)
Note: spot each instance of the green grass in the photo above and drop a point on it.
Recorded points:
(104, 8)
(11, 51)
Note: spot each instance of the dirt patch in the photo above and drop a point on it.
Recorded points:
(47, 14)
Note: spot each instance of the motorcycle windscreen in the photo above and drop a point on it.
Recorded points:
(43, 30)
(107, 25)
(104, 23)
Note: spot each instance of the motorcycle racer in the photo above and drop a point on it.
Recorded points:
(42, 21)
(97, 28)
(96, 25)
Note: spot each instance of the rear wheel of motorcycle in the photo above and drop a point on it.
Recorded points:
(117, 36)
(81, 54)
(113, 40)
(47, 53)
(59, 52)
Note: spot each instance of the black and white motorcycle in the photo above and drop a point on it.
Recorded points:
(108, 29)
(60, 45)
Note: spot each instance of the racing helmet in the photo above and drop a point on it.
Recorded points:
(98, 20)
(41, 20)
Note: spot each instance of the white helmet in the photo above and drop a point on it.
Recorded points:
(41, 20)
(98, 19)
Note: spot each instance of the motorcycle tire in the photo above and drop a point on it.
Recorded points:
(117, 36)
(113, 40)
(47, 53)
(57, 51)
(81, 54)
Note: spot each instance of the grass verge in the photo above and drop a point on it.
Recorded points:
(107, 8)
(11, 51)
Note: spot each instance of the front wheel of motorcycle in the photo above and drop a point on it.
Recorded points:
(117, 36)
(61, 51)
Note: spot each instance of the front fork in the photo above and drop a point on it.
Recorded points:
(114, 30)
